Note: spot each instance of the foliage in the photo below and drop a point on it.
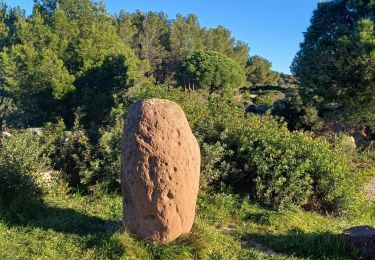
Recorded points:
(264, 99)
(107, 163)
(164, 42)
(192, 103)
(36, 80)
(336, 62)
(186, 36)
(148, 35)
(259, 73)
(22, 158)
(261, 157)
(213, 165)
(211, 71)
(98, 88)
(10, 18)
(219, 39)
(288, 81)
(67, 56)
(86, 165)
(70, 56)
(71, 153)
(293, 169)
(297, 114)
(279, 167)
(345, 144)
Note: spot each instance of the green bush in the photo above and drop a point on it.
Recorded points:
(107, 163)
(345, 144)
(22, 157)
(298, 115)
(284, 168)
(70, 152)
(213, 164)
(265, 99)
(276, 166)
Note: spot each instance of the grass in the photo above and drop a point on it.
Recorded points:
(226, 227)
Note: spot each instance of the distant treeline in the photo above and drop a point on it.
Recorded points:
(73, 55)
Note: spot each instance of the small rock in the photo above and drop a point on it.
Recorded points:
(361, 238)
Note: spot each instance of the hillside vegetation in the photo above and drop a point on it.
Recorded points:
(273, 184)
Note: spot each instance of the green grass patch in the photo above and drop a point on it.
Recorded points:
(226, 227)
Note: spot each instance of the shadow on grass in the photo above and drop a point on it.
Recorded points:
(93, 231)
(319, 245)
(62, 220)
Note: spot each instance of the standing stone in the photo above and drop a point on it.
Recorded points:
(160, 171)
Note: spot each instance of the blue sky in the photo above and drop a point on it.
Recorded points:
(272, 28)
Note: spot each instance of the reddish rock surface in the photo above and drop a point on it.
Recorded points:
(361, 238)
(160, 171)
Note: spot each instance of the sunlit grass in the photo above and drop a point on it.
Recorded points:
(89, 227)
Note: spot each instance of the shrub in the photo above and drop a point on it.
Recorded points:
(70, 152)
(298, 115)
(107, 165)
(280, 168)
(294, 169)
(344, 143)
(214, 166)
(276, 166)
(54, 136)
(265, 99)
(21, 158)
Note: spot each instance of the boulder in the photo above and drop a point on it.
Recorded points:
(362, 239)
(160, 168)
